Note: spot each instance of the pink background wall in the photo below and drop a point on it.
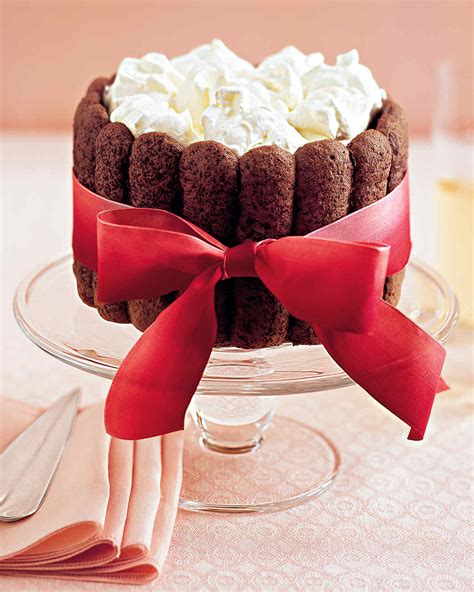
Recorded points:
(51, 50)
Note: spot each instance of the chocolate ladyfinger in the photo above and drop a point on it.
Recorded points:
(322, 194)
(372, 158)
(209, 177)
(154, 183)
(98, 85)
(392, 123)
(267, 178)
(94, 95)
(113, 146)
(90, 117)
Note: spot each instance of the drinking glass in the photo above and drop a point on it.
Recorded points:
(453, 138)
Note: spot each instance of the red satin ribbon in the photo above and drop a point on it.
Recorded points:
(332, 278)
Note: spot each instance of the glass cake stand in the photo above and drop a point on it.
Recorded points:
(238, 457)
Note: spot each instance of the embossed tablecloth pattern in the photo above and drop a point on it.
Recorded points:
(398, 517)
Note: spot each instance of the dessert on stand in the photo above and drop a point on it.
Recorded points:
(260, 212)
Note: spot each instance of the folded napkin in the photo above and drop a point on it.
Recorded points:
(110, 511)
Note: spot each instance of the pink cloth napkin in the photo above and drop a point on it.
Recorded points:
(110, 512)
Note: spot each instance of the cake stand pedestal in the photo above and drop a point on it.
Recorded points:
(238, 457)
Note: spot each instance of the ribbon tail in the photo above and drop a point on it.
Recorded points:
(398, 364)
(155, 383)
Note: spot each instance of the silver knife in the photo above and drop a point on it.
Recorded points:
(29, 463)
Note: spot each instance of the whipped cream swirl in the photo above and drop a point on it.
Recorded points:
(210, 93)
(241, 121)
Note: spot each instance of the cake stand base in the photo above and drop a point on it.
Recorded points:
(292, 464)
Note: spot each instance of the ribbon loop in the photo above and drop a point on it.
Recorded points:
(239, 261)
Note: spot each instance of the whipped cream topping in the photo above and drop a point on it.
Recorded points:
(282, 72)
(210, 93)
(339, 100)
(142, 114)
(153, 75)
(241, 121)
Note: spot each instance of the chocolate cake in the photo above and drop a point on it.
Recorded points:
(265, 192)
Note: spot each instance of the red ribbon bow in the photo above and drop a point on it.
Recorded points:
(332, 278)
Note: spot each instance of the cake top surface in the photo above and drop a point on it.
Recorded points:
(210, 93)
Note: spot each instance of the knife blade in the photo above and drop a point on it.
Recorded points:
(29, 463)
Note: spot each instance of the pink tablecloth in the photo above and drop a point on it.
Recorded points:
(398, 518)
